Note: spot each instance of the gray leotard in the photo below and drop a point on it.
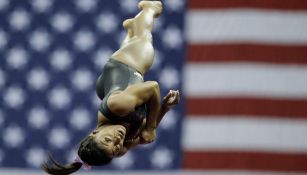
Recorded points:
(117, 76)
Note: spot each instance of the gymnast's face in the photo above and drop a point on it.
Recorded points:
(110, 138)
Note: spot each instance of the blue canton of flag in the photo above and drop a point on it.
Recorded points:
(51, 53)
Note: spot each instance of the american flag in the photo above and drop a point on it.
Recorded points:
(51, 53)
(246, 86)
(239, 64)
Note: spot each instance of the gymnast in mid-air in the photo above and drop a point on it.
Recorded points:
(130, 109)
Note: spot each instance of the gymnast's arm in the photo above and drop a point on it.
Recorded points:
(125, 101)
(169, 101)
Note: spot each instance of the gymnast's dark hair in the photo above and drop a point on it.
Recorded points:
(88, 152)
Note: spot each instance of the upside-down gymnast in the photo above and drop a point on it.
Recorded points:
(130, 110)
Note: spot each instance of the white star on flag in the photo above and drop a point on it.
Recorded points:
(19, 19)
(172, 37)
(107, 22)
(59, 137)
(14, 97)
(59, 98)
(80, 118)
(13, 136)
(60, 59)
(38, 118)
(84, 40)
(161, 158)
(169, 77)
(38, 79)
(40, 40)
(17, 58)
(35, 157)
(82, 79)
(62, 22)
(42, 5)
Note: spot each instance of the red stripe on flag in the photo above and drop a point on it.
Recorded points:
(266, 4)
(245, 160)
(281, 108)
(248, 53)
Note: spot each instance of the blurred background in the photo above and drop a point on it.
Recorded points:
(240, 65)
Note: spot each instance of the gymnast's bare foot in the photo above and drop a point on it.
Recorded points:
(156, 6)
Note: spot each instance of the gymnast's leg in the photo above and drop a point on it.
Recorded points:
(136, 50)
(142, 23)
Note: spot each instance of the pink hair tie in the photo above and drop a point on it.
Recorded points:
(86, 166)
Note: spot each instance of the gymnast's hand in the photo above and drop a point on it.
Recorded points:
(171, 99)
(148, 135)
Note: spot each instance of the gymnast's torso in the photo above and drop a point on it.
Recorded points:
(117, 76)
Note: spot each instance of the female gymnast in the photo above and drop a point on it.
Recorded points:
(130, 110)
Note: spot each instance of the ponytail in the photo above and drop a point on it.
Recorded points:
(58, 169)
(90, 155)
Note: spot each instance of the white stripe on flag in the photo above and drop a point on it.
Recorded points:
(246, 25)
(243, 79)
(250, 134)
